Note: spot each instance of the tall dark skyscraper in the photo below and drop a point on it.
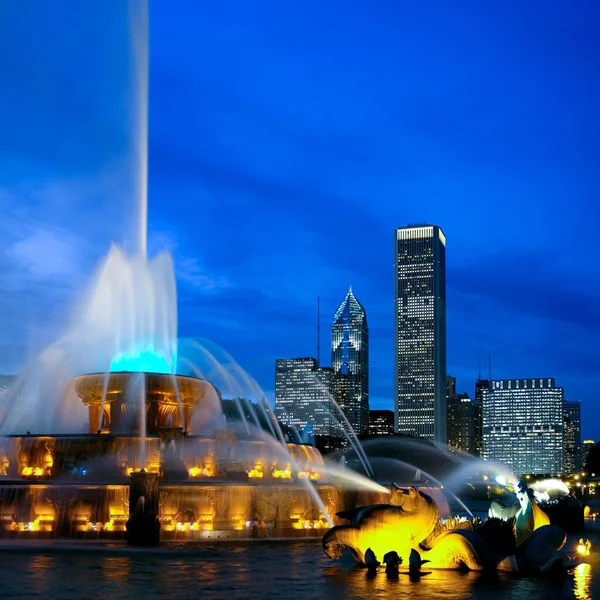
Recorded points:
(420, 328)
(572, 437)
(350, 360)
(460, 419)
(480, 385)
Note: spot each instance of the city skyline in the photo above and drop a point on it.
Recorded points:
(239, 142)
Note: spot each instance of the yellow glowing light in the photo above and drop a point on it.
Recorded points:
(257, 471)
(282, 474)
(35, 471)
(200, 472)
(33, 526)
(312, 475)
(583, 547)
(582, 578)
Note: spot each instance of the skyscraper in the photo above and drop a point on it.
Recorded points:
(523, 425)
(381, 422)
(303, 394)
(586, 448)
(572, 437)
(460, 419)
(350, 360)
(420, 328)
(480, 385)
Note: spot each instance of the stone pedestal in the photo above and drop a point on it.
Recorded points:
(143, 526)
(171, 458)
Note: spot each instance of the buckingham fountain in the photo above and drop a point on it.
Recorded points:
(113, 433)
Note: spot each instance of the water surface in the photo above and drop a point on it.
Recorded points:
(278, 570)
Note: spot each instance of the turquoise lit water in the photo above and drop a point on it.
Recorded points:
(285, 570)
(144, 361)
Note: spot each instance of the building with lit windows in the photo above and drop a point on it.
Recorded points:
(572, 437)
(303, 394)
(460, 419)
(586, 448)
(420, 332)
(350, 361)
(480, 385)
(381, 422)
(523, 425)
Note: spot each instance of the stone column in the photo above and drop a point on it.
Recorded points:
(143, 526)
(95, 418)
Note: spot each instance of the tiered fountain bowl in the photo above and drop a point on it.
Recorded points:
(221, 484)
(113, 403)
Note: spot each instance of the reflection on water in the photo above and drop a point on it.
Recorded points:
(259, 570)
(582, 579)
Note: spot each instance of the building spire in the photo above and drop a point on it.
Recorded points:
(350, 291)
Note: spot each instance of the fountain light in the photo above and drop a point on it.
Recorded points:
(312, 475)
(40, 524)
(200, 472)
(257, 471)
(583, 547)
(282, 473)
(32, 471)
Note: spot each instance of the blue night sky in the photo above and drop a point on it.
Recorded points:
(287, 141)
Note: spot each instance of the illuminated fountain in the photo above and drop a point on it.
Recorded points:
(103, 435)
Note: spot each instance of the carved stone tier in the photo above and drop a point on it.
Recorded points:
(122, 400)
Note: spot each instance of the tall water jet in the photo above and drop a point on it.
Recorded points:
(112, 380)
(140, 51)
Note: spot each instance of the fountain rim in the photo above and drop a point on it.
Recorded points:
(145, 373)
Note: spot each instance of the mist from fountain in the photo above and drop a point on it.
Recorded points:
(348, 430)
(478, 470)
(395, 463)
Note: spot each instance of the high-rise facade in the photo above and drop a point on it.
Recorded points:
(420, 332)
(381, 422)
(523, 425)
(480, 385)
(586, 448)
(303, 394)
(460, 419)
(350, 361)
(572, 437)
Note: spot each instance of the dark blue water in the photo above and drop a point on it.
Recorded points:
(227, 571)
